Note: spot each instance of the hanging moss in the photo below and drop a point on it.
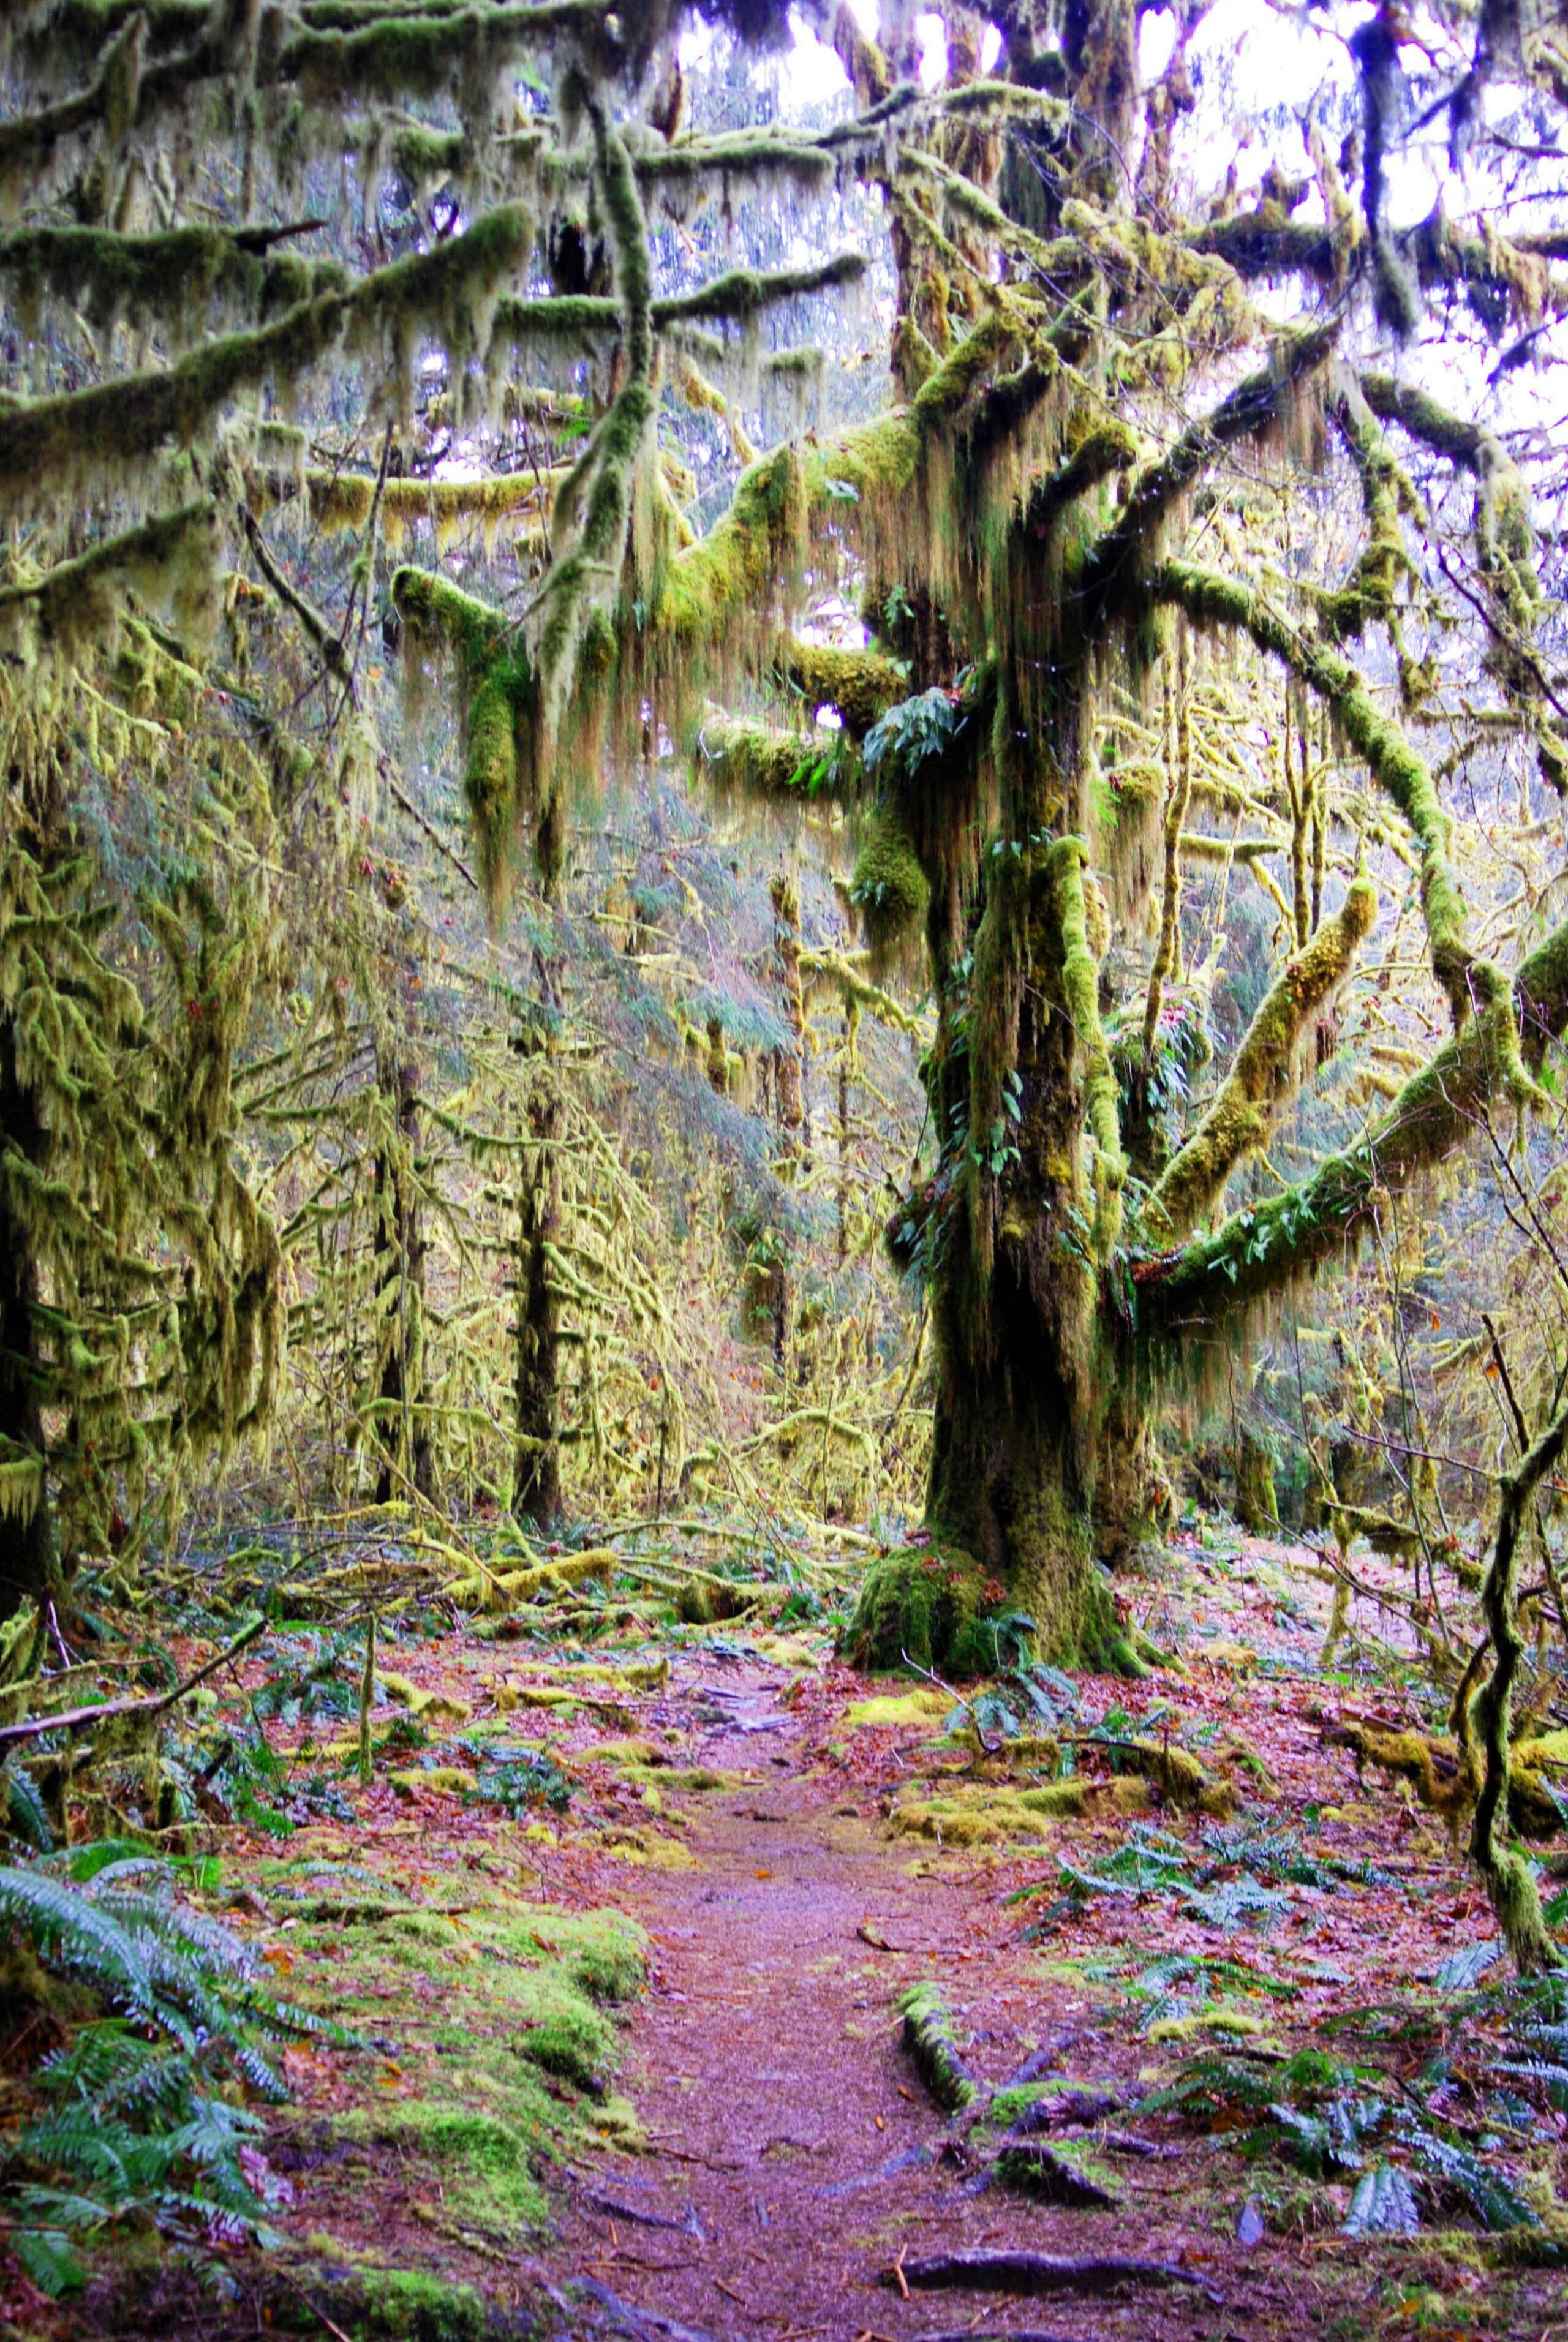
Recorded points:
(1214, 600)
(498, 713)
(106, 434)
(177, 276)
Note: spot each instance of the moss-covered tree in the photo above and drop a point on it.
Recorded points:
(1089, 397)
(1111, 486)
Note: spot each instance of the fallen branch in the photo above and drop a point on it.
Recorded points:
(76, 1719)
(928, 2037)
(1038, 2273)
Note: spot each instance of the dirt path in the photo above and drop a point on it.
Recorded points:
(744, 2151)
(794, 2155)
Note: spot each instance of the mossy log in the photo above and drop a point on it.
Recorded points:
(928, 2037)
(1446, 1781)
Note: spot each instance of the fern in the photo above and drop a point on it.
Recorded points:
(1491, 2195)
(135, 2118)
(21, 1812)
(1384, 2205)
(1237, 1899)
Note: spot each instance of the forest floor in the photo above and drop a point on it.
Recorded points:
(639, 2068)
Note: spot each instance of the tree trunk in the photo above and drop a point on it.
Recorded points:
(1015, 1296)
(1257, 1506)
(29, 1560)
(402, 1429)
(1135, 1504)
(1009, 1486)
(537, 1478)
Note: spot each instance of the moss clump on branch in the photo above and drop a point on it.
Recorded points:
(1262, 1077)
(752, 760)
(861, 684)
(889, 887)
(346, 502)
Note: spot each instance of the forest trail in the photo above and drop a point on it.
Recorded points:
(622, 1934)
(794, 2158)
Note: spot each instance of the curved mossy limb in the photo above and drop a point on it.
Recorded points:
(928, 2037)
(1262, 1077)
(1509, 1879)
(1437, 1112)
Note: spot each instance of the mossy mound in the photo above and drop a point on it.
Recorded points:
(921, 1607)
(925, 1706)
(995, 1817)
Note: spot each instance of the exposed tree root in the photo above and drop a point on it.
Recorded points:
(1065, 2175)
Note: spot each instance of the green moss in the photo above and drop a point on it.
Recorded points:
(924, 1706)
(576, 2044)
(403, 2306)
(1080, 979)
(105, 434)
(928, 2037)
(999, 1815)
(915, 1605)
(483, 2162)
(889, 887)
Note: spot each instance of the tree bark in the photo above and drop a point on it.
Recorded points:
(1015, 1282)
(402, 1428)
(537, 1479)
(1135, 1504)
(29, 1558)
